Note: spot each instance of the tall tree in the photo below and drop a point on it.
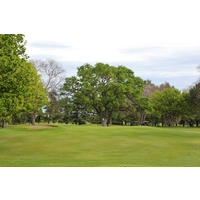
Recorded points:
(36, 97)
(105, 88)
(16, 76)
(12, 56)
(193, 99)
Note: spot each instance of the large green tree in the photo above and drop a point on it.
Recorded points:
(17, 77)
(104, 88)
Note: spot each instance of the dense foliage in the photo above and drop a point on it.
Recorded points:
(20, 85)
(103, 89)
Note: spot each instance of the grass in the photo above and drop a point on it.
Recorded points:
(92, 145)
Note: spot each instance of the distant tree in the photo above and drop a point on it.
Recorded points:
(54, 108)
(52, 73)
(165, 85)
(170, 104)
(193, 98)
(149, 88)
(72, 103)
(198, 69)
(104, 88)
(144, 107)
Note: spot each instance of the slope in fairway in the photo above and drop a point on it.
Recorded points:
(92, 145)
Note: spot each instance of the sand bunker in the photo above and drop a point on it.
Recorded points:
(39, 127)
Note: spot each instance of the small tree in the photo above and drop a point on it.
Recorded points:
(169, 104)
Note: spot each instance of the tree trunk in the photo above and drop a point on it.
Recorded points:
(104, 117)
(110, 121)
(33, 117)
(171, 122)
(142, 117)
(3, 124)
(162, 121)
(104, 121)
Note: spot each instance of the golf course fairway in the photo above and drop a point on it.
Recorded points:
(96, 146)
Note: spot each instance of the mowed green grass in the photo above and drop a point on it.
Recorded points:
(92, 145)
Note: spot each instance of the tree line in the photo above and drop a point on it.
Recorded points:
(35, 91)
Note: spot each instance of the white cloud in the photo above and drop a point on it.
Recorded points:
(170, 74)
(161, 38)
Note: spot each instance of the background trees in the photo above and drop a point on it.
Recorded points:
(170, 103)
(146, 110)
(51, 71)
(193, 100)
(106, 94)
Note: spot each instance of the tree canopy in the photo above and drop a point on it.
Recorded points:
(18, 77)
(104, 88)
(170, 103)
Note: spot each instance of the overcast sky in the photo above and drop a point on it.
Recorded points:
(158, 40)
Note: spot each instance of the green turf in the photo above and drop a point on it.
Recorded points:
(92, 145)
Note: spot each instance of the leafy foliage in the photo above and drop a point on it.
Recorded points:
(103, 88)
(19, 81)
(169, 104)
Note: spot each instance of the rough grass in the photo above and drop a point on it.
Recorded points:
(92, 145)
